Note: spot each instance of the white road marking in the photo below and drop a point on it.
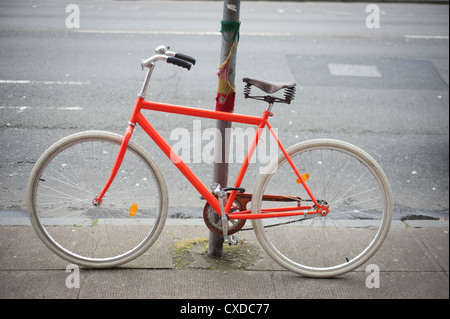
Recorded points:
(156, 32)
(354, 70)
(435, 37)
(215, 33)
(20, 109)
(196, 33)
(44, 82)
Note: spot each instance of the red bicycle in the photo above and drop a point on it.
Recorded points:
(98, 199)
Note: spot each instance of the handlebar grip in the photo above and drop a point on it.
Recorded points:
(179, 62)
(185, 57)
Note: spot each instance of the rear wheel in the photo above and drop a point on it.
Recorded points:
(357, 194)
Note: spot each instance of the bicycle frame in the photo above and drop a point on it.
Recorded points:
(261, 122)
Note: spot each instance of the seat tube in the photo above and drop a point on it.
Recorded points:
(247, 159)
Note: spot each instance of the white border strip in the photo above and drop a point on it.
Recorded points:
(20, 109)
(44, 82)
(427, 37)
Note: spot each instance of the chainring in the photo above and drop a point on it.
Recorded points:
(214, 222)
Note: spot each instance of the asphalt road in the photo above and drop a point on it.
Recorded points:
(56, 80)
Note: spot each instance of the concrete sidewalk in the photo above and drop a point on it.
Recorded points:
(413, 263)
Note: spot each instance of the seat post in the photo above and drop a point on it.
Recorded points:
(271, 100)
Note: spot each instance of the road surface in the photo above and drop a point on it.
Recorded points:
(384, 89)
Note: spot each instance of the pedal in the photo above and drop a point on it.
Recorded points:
(230, 240)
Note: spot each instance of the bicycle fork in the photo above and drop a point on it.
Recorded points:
(119, 159)
(123, 147)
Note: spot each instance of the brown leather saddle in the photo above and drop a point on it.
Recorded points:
(270, 88)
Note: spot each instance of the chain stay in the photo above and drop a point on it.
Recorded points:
(285, 223)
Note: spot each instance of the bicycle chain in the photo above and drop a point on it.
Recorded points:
(280, 224)
(284, 223)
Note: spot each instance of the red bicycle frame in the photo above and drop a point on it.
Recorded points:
(138, 118)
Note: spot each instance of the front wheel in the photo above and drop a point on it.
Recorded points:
(68, 177)
(357, 194)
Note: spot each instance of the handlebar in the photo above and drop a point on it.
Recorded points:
(179, 62)
(162, 53)
(185, 57)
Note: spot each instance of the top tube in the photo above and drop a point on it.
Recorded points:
(204, 113)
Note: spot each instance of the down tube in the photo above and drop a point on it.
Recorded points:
(178, 162)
